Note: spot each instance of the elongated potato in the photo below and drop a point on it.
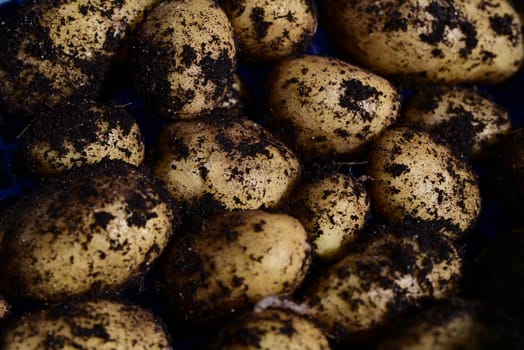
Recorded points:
(236, 164)
(391, 271)
(416, 177)
(185, 58)
(81, 133)
(464, 118)
(62, 48)
(233, 261)
(456, 41)
(91, 325)
(325, 107)
(90, 231)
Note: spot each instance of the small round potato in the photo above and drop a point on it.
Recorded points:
(271, 329)
(62, 48)
(458, 41)
(462, 117)
(333, 209)
(325, 107)
(5, 308)
(387, 274)
(237, 164)
(233, 261)
(185, 58)
(269, 30)
(81, 133)
(455, 324)
(91, 325)
(416, 177)
(91, 231)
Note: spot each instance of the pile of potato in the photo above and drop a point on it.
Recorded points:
(333, 204)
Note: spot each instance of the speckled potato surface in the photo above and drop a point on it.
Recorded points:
(238, 164)
(59, 48)
(326, 107)
(455, 324)
(78, 134)
(185, 58)
(90, 231)
(416, 177)
(268, 30)
(455, 41)
(391, 270)
(463, 117)
(90, 325)
(234, 260)
(271, 329)
(333, 208)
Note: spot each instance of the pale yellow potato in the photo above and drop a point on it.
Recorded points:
(185, 58)
(269, 30)
(236, 162)
(90, 231)
(416, 177)
(233, 261)
(272, 329)
(63, 48)
(392, 270)
(90, 325)
(325, 107)
(463, 117)
(454, 324)
(78, 134)
(460, 41)
(333, 208)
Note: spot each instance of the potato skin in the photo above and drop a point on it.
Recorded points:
(455, 41)
(80, 133)
(185, 58)
(59, 48)
(90, 231)
(236, 162)
(270, 329)
(333, 208)
(234, 260)
(464, 118)
(90, 325)
(416, 177)
(392, 270)
(326, 107)
(271, 30)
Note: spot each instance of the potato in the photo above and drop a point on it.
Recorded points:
(270, 329)
(371, 285)
(456, 41)
(237, 164)
(80, 133)
(333, 208)
(416, 177)
(325, 107)
(62, 48)
(467, 120)
(454, 324)
(90, 231)
(90, 325)
(185, 58)
(234, 260)
(271, 30)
